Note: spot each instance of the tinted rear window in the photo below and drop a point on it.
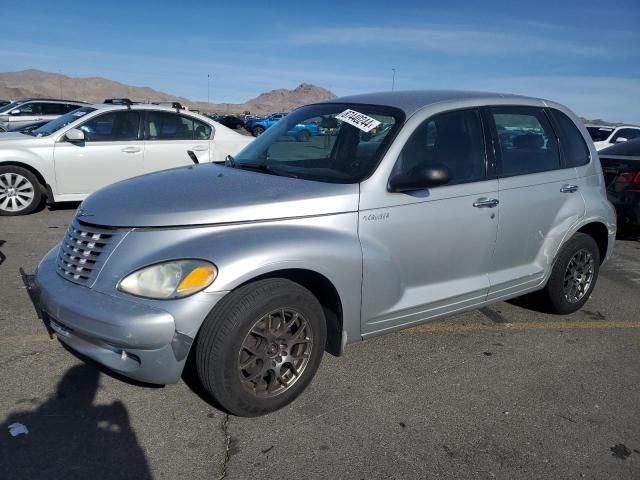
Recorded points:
(575, 149)
(599, 134)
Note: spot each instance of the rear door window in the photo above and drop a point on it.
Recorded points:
(453, 140)
(573, 145)
(54, 109)
(527, 143)
(171, 126)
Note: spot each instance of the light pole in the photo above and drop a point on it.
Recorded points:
(208, 100)
(393, 79)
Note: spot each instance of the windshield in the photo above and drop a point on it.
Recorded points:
(599, 134)
(335, 143)
(60, 122)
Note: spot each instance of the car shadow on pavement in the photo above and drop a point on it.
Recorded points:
(70, 437)
(63, 206)
(3, 257)
(190, 378)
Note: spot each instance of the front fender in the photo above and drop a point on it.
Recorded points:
(327, 245)
(38, 159)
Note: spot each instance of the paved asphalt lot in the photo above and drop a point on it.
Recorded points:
(501, 393)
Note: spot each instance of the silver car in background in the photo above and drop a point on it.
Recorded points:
(409, 207)
(25, 111)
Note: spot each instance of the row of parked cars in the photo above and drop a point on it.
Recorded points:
(122, 139)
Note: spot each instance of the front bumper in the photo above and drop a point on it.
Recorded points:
(136, 340)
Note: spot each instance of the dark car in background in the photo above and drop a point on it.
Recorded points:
(230, 121)
(621, 168)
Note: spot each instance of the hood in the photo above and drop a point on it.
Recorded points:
(210, 194)
(14, 136)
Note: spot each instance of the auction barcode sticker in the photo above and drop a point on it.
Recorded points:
(358, 120)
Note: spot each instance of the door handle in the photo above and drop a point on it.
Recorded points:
(486, 203)
(569, 188)
(130, 150)
(199, 148)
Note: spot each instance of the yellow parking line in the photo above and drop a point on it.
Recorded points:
(442, 327)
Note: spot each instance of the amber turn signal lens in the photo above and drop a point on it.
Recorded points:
(198, 279)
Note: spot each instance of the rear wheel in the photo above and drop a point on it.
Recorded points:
(20, 192)
(260, 346)
(573, 276)
(257, 131)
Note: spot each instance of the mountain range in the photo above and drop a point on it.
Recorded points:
(39, 84)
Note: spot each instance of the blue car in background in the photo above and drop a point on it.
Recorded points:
(301, 132)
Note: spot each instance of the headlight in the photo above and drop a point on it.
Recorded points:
(175, 279)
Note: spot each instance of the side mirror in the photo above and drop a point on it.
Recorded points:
(75, 135)
(15, 112)
(419, 178)
(620, 140)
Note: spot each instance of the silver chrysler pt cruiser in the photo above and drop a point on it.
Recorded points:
(400, 208)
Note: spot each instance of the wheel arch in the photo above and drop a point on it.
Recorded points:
(599, 232)
(44, 185)
(326, 293)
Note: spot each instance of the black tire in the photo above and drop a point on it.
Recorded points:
(303, 136)
(221, 342)
(20, 191)
(555, 294)
(257, 131)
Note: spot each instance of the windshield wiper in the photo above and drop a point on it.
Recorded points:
(229, 161)
(263, 167)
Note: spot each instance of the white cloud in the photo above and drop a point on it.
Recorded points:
(444, 40)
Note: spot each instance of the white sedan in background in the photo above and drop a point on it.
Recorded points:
(605, 136)
(96, 145)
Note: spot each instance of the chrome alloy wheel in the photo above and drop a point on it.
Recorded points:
(578, 276)
(16, 192)
(275, 353)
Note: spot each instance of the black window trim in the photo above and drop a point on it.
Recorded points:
(145, 132)
(489, 164)
(497, 151)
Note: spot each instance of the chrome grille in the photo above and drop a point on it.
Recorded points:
(84, 251)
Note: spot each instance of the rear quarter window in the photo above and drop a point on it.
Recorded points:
(571, 141)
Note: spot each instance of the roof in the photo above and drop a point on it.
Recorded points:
(49, 100)
(162, 108)
(410, 101)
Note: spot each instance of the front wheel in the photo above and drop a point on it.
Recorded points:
(257, 131)
(20, 192)
(260, 346)
(573, 276)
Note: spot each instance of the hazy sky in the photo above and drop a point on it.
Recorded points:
(585, 54)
